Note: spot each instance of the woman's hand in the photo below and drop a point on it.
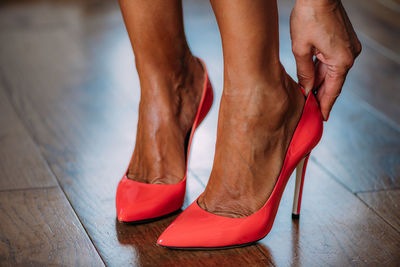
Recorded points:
(321, 28)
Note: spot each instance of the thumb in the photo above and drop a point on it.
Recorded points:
(305, 67)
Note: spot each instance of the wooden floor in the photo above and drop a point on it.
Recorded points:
(68, 107)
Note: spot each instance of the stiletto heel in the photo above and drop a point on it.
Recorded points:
(141, 202)
(196, 228)
(298, 189)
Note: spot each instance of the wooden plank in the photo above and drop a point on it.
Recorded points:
(38, 228)
(21, 164)
(386, 204)
(335, 229)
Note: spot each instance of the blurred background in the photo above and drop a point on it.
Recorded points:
(69, 95)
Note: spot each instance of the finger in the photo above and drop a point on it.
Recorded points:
(320, 73)
(330, 90)
(305, 66)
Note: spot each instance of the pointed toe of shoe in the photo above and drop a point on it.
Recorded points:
(189, 230)
(183, 234)
(124, 216)
(137, 201)
(196, 228)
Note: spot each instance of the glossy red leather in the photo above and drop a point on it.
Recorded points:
(197, 228)
(137, 201)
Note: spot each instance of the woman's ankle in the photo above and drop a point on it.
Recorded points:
(276, 96)
(174, 75)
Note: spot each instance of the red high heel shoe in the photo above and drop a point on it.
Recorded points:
(141, 202)
(196, 228)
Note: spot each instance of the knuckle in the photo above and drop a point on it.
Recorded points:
(348, 63)
(345, 59)
(299, 50)
(357, 48)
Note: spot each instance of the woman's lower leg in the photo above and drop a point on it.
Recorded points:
(171, 81)
(259, 111)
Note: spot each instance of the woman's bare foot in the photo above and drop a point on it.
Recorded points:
(254, 130)
(168, 106)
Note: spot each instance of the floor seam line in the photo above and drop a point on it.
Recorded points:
(333, 177)
(28, 188)
(330, 174)
(262, 252)
(374, 211)
(378, 190)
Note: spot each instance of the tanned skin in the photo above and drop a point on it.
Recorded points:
(260, 106)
